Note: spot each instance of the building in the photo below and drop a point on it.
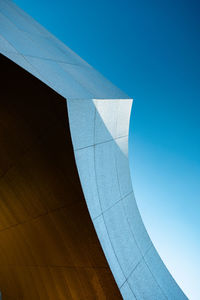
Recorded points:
(66, 196)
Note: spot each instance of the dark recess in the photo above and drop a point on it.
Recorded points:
(48, 246)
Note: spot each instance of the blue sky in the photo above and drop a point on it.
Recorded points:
(150, 49)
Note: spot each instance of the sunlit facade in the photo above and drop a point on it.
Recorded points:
(52, 245)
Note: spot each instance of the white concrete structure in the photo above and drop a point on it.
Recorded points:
(99, 120)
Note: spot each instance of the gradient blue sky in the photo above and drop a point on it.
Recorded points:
(150, 49)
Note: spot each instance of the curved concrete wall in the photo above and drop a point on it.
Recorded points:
(100, 137)
(99, 119)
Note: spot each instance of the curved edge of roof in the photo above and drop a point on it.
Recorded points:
(30, 45)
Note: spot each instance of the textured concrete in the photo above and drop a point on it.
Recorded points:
(99, 120)
(104, 173)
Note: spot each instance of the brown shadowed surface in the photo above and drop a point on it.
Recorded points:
(48, 246)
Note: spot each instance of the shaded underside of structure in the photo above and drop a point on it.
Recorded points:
(48, 245)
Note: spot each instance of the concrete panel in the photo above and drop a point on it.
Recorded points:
(82, 114)
(5, 46)
(60, 80)
(124, 109)
(108, 248)
(126, 292)
(122, 165)
(143, 284)
(22, 41)
(105, 123)
(33, 45)
(136, 224)
(94, 81)
(20, 19)
(32, 40)
(122, 239)
(106, 175)
(162, 275)
(86, 169)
